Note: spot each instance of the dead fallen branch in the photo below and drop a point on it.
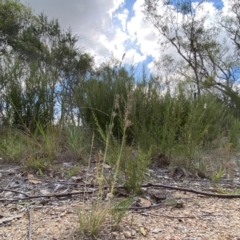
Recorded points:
(146, 207)
(166, 216)
(192, 191)
(57, 195)
(14, 191)
(5, 220)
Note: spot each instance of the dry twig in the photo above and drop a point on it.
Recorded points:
(192, 191)
(29, 224)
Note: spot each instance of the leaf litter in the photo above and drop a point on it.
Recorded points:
(46, 206)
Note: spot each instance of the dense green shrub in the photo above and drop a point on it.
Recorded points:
(99, 98)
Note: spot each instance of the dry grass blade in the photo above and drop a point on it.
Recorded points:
(92, 220)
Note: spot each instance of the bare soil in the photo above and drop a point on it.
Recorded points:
(34, 206)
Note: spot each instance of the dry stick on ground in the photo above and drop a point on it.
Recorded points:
(5, 220)
(119, 187)
(192, 191)
(146, 207)
(166, 216)
(57, 195)
(30, 224)
(10, 170)
(14, 191)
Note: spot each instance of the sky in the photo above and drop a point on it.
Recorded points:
(108, 27)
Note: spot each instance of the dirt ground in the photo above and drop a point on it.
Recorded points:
(46, 207)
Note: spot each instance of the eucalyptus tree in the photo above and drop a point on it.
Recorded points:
(231, 22)
(188, 28)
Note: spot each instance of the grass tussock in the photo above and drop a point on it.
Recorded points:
(92, 220)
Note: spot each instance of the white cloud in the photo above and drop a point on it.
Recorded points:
(116, 5)
(90, 20)
(142, 31)
(123, 18)
(107, 27)
(103, 27)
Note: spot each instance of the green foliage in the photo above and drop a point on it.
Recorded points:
(172, 123)
(123, 159)
(218, 175)
(232, 100)
(37, 164)
(100, 93)
(14, 145)
(76, 140)
(49, 140)
(91, 221)
(134, 165)
(27, 96)
(41, 66)
(14, 16)
(233, 135)
(176, 124)
(72, 172)
(118, 211)
(204, 122)
(147, 107)
(46, 80)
